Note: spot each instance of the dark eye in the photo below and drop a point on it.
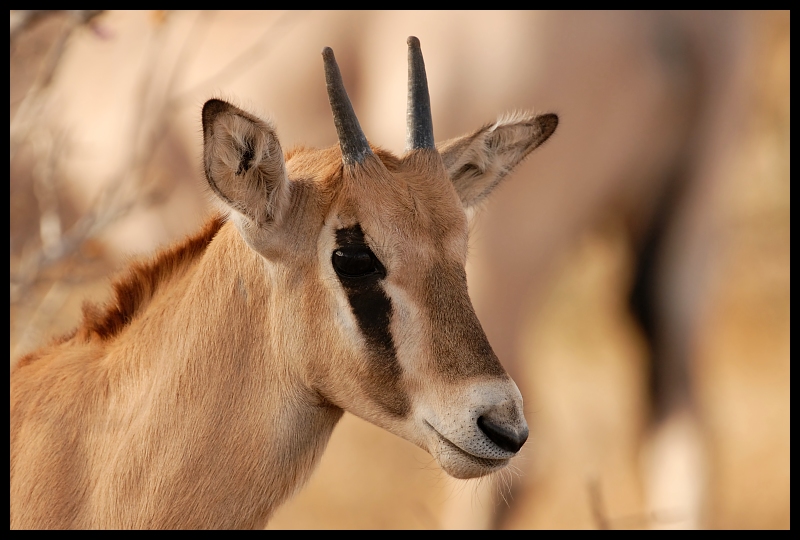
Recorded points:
(355, 262)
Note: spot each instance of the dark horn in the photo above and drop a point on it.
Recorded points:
(352, 141)
(419, 124)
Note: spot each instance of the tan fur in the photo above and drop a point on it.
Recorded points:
(203, 395)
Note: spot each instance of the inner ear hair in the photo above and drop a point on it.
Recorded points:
(476, 163)
(244, 163)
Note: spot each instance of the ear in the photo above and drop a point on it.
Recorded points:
(476, 163)
(244, 162)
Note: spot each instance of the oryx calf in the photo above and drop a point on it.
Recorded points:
(205, 392)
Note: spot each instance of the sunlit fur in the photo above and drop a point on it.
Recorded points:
(205, 392)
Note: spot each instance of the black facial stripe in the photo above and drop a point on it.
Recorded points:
(373, 310)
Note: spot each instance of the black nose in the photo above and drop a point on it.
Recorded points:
(502, 436)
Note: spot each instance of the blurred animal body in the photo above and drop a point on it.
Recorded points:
(203, 395)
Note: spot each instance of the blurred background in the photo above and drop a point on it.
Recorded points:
(632, 275)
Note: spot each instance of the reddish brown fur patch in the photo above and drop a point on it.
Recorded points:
(133, 290)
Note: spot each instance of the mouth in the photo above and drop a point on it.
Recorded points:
(448, 451)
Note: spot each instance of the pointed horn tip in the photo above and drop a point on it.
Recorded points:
(327, 53)
(413, 42)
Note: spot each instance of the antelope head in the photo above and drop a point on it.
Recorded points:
(365, 254)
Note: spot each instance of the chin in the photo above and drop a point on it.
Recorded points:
(461, 464)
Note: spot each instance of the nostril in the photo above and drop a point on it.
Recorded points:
(502, 436)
